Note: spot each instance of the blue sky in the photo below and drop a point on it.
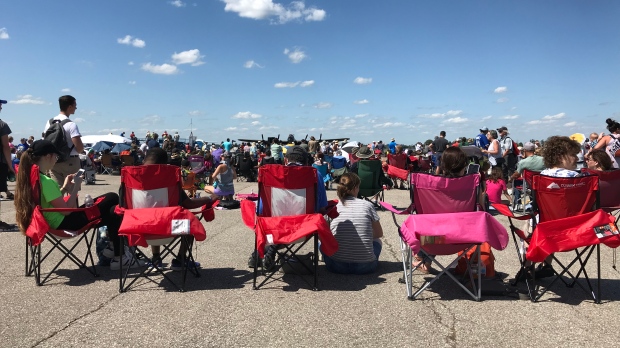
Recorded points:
(367, 70)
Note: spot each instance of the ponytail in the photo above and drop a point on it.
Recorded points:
(348, 183)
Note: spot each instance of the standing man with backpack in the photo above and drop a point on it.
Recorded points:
(508, 153)
(66, 137)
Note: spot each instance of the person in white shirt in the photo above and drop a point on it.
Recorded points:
(59, 172)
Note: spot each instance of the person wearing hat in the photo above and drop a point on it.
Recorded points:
(392, 146)
(481, 139)
(510, 159)
(223, 177)
(43, 154)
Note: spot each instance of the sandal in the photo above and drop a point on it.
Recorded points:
(424, 268)
(10, 195)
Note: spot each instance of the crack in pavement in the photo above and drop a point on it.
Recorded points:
(75, 320)
(451, 327)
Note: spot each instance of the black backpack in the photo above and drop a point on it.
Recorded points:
(56, 135)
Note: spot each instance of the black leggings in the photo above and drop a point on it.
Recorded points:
(77, 220)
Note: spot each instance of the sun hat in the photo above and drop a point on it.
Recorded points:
(484, 129)
(363, 152)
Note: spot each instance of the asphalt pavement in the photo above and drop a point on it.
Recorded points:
(220, 309)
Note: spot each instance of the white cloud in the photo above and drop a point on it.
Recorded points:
(450, 113)
(509, 117)
(192, 57)
(132, 82)
(286, 84)
(363, 101)
(129, 40)
(503, 100)
(27, 99)
(559, 116)
(362, 80)
(245, 115)
(164, 69)
(503, 89)
(4, 35)
(195, 113)
(255, 123)
(276, 13)
(388, 124)
(306, 83)
(252, 64)
(230, 128)
(487, 118)
(268, 127)
(322, 105)
(456, 120)
(296, 55)
(361, 115)
(130, 63)
(151, 120)
(534, 122)
(65, 90)
(177, 3)
(570, 124)
(78, 120)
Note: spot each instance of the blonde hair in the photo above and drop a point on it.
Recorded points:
(348, 183)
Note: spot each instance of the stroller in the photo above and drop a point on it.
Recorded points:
(89, 168)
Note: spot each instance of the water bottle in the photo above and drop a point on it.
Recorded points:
(103, 232)
(88, 201)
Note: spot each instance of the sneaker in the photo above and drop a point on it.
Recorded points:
(108, 251)
(157, 263)
(544, 271)
(177, 265)
(269, 261)
(128, 262)
(252, 260)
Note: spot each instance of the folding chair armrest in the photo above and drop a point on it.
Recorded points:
(248, 213)
(505, 210)
(391, 208)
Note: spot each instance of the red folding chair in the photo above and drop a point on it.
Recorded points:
(150, 203)
(609, 184)
(287, 196)
(39, 231)
(397, 167)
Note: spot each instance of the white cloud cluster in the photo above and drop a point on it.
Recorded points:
(65, 90)
(296, 55)
(163, 69)
(322, 105)
(502, 89)
(456, 120)
(363, 101)
(4, 35)
(133, 41)
(245, 115)
(78, 120)
(503, 100)
(449, 113)
(130, 63)
(509, 117)
(252, 64)
(388, 124)
(192, 57)
(362, 80)
(548, 119)
(276, 13)
(570, 124)
(27, 99)
(151, 120)
(195, 113)
(307, 83)
(177, 3)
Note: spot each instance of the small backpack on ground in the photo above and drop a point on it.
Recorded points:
(487, 259)
(229, 204)
(56, 135)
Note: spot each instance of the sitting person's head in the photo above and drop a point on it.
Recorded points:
(453, 162)
(399, 149)
(496, 174)
(319, 157)
(598, 160)
(156, 155)
(297, 155)
(43, 154)
(349, 185)
(185, 164)
(561, 152)
(268, 153)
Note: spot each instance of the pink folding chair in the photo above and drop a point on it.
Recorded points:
(447, 222)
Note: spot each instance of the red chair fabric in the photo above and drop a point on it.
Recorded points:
(609, 184)
(557, 198)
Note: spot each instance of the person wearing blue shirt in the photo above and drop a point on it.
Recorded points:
(392, 146)
(481, 139)
(227, 145)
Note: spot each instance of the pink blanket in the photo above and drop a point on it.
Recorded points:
(454, 228)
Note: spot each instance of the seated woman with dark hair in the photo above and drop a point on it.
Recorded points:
(598, 160)
(357, 230)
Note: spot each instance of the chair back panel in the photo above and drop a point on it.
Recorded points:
(398, 161)
(528, 176)
(150, 186)
(322, 169)
(369, 172)
(438, 195)
(287, 190)
(609, 187)
(557, 198)
(127, 160)
(338, 162)
(196, 161)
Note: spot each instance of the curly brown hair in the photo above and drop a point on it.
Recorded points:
(557, 148)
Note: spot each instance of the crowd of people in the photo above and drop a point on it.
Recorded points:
(357, 229)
